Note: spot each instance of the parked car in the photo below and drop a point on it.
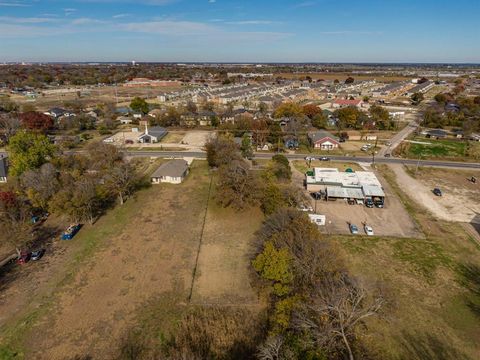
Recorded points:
(350, 201)
(368, 230)
(70, 232)
(317, 195)
(306, 208)
(378, 203)
(387, 155)
(24, 257)
(369, 203)
(437, 192)
(309, 158)
(324, 158)
(128, 141)
(353, 229)
(37, 254)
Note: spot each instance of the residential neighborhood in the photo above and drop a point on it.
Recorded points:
(235, 180)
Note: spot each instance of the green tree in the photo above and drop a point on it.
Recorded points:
(349, 117)
(381, 116)
(139, 105)
(320, 121)
(275, 265)
(417, 98)
(288, 109)
(246, 147)
(28, 151)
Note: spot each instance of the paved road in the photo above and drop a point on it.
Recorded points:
(452, 164)
(401, 135)
(379, 160)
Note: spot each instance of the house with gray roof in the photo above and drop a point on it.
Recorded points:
(3, 169)
(152, 135)
(173, 172)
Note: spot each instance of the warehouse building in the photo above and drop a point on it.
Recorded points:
(360, 185)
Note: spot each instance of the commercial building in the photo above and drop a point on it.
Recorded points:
(360, 185)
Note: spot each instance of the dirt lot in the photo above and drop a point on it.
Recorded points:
(224, 260)
(191, 140)
(460, 200)
(91, 96)
(145, 254)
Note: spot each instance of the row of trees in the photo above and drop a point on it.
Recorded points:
(240, 187)
(464, 113)
(79, 187)
(317, 307)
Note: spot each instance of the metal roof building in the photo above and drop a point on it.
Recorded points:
(336, 184)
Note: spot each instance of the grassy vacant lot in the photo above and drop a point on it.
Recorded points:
(441, 149)
(433, 285)
(133, 269)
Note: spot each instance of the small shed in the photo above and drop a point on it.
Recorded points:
(173, 172)
(319, 220)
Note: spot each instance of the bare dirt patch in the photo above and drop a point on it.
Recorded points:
(460, 200)
(152, 255)
(224, 261)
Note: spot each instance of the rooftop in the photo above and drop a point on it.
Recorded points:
(173, 168)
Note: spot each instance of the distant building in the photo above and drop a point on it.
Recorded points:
(152, 135)
(342, 103)
(139, 82)
(323, 140)
(173, 172)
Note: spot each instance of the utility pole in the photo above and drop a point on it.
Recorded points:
(373, 152)
(418, 163)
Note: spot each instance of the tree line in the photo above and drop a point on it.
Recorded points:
(79, 187)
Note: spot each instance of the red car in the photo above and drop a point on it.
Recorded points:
(24, 257)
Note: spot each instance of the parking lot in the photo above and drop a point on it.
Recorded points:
(392, 220)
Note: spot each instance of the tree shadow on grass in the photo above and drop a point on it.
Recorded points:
(428, 347)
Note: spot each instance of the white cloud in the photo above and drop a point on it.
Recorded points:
(252, 22)
(168, 27)
(26, 20)
(120, 16)
(87, 21)
(351, 32)
(13, 4)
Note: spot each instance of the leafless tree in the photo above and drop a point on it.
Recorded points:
(41, 184)
(271, 349)
(237, 186)
(335, 312)
(122, 180)
(9, 123)
(15, 226)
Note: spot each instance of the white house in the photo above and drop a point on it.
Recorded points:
(173, 172)
(152, 135)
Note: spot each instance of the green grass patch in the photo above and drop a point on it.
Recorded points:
(437, 149)
(423, 255)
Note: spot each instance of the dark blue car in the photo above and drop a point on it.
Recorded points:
(70, 232)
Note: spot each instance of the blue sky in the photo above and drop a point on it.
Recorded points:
(240, 31)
